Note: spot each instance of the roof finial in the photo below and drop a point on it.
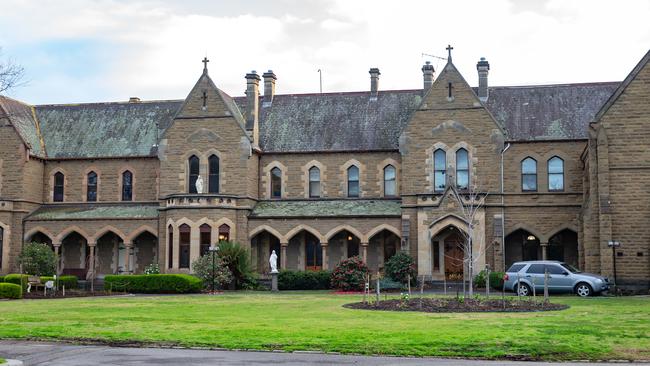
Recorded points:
(449, 48)
(205, 65)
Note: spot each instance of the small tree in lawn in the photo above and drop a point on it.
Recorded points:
(37, 259)
(471, 202)
(203, 268)
(349, 274)
(401, 267)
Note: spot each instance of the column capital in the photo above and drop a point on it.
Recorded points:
(284, 244)
(128, 244)
(325, 244)
(543, 244)
(92, 244)
(56, 245)
(364, 244)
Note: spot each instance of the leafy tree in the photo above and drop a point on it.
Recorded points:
(400, 266)
(350, 274)
(37, 259)
(203, 267)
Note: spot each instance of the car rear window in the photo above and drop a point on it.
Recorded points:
(553, 269)
(536, 268)
(515, 268)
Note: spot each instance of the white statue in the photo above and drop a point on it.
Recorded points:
(273, 261)
(199, 184)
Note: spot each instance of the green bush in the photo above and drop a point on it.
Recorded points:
(496, 279)
(37, 259)
(304, 280)
(349, 275)
(154, 284)
(153, 268)
(236, 258)
(2, 279)
(67, 281)
(400, 266)
(10, 291)
(18, 279)
(203, 266)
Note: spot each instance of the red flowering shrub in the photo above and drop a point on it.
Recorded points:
(400, 266)
(349, 275)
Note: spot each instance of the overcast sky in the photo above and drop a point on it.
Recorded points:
(109, 50)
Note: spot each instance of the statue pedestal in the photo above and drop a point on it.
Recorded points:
(274, 281)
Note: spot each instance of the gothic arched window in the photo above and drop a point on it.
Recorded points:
(213, 178)
(193, 164)
(390, 188)
(529, 175)
(462, 169)
(59, 181)
(439, 170)
(276, 183)
(353, 181)
(314, 182)
(91, 187)
(555, 174)
(127, 186)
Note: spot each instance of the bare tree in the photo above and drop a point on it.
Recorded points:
(471, 202)
(11, 74)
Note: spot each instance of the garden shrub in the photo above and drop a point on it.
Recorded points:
(154, 284)
(10, 291)
(496, 279)
(349, 275)
(304, 280)
(18, 279)
(236, 258)
(203, 269)
(400, 266)
(2, 279)
(67, 281)
(153, 268)
(37, 259)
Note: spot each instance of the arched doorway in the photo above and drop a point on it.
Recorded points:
(342, 245)
(381, 247)
(145, 247)
(563, 247)
(74, 252)
(262, 244)
(447, 254)
(304, 252)
(39, 237)
(522, 245)
(106, 254)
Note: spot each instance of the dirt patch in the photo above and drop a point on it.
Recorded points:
(453, 305)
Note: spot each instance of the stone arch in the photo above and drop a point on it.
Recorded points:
(69, 230)
(336, 230)
(307, 228)
(104, 230)
(222, 172)
(429, 163)
(144, 228)
(520, 226)
(376, 230)
(270, 230)
(28, 235)
(84, 182)
(230, 223)
(380, 175)
(446, 221)
(556, 230)
(120, 183)
(344, 177)
(305, 177)
(66, 179)
(185, 183)
(266, 178)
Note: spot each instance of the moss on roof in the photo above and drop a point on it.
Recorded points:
(328, 208)
(94, 212)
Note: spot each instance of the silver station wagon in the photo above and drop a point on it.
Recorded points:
(523, 277)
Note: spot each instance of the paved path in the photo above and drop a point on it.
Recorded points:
(61, 354)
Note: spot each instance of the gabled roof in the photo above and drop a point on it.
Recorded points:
(22, 118)
(623, 85)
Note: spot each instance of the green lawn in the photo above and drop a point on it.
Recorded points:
(594, 328)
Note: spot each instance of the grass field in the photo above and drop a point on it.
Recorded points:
(594, 328)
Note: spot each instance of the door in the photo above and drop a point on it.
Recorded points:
(313, 254)
(558, 280)
(535, 275)
(454, 257)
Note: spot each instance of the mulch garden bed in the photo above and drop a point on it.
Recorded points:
(68, 294)
(454, 305)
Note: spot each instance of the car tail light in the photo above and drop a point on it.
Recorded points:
(505, 277)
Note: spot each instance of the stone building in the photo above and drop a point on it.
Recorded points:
(559, 169)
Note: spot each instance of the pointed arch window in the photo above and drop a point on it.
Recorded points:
(555, 174)
(127, 186)
(205, 231)
(184, 246)
(353, 181)
(529, 175)
(439, 170)
(59, 181)
(462, 169)
(170, 246)
(390, 187)
(213, 174)
(193, 164)
(276, 183)
(224, 232)
(314, 182)
(91, 187)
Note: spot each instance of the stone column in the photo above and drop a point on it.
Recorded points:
(91, 261)
(283, 256)
(324, 255)
(127, 257)
(364, 252)
(544, 250)
(57, 247)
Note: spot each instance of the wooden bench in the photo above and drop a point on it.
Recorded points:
(35, 282)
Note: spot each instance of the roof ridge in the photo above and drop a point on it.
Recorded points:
(106, 103)
(594, 83)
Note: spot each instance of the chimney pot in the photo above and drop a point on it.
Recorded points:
(374, 82)
(483, 68)
(134, 100)
(427, 75)
(269, 87)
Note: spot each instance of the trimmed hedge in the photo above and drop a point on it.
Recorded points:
(67, 281)
(10, 291)
(154, 283)
(496, 280)
(304, 280)
(18, 279)
(2, 279)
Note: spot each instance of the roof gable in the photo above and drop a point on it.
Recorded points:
(23, 119)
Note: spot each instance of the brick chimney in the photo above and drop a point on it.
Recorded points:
(483, 68)
(427, 75)
(253, 104)
(269, 87)
(374, 82)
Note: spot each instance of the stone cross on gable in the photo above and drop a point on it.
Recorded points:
(449, 48)
(205, 65)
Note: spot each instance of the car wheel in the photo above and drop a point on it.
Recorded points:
(523, 290)
(584, 290)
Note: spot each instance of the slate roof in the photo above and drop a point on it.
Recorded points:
(94, 212)
(350, 121)
(327, 208)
